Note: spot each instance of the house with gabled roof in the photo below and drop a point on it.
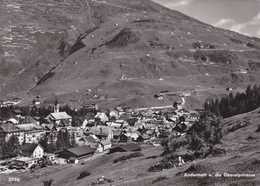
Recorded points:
(29, 119)
(119, 109)
(194, 116)
(114, 125)
(113, 113)
(48, 127)
(116, 135)
(90, 141)
(139, 125)
(143, 138)
(88, 122)
(104, 145)
(149, 126)
(123, 138)
(102, 132)
(17, 112)
(132, 136)
(101, 116)
(32, 150)
(12, 120)
(182, 127)
(152, 133)
(59, 119)
(125, 116)
(118, 124)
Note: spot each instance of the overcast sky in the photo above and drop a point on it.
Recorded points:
(238, 15)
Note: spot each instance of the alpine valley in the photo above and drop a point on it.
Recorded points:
(132, 54)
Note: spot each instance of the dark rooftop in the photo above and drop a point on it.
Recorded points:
(81, 151)
(30, 147)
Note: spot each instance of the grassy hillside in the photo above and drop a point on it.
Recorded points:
(123, 52)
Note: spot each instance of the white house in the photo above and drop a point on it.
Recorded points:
(132, 135)
(32, 150)
(26, 162)
(114, 125)
(104, 145)
(84, 124)
(102, 116)
(113, 113)
(49, 157)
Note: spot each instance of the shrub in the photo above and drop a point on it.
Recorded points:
(48, 182)
(162, 165)
(160, 179)
(218, 56)
(83, 174)
(122, 158)
(167, 162)
(237, 41)
(222, 56)
(258, 129)
(202, 45)
(251, 45)
(156, 96)
(133, 155)
(218, 151)
(200, 56)
(238, 126)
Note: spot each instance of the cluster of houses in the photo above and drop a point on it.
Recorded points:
(115, 130)
(8, 103)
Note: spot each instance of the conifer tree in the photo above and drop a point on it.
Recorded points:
(205, 133)
(232, 105)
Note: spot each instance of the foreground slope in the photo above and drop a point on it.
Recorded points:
(128, 51)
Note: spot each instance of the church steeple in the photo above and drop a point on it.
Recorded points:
(56, 106)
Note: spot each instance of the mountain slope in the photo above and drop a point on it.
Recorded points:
(127, 51)
(35, 36)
